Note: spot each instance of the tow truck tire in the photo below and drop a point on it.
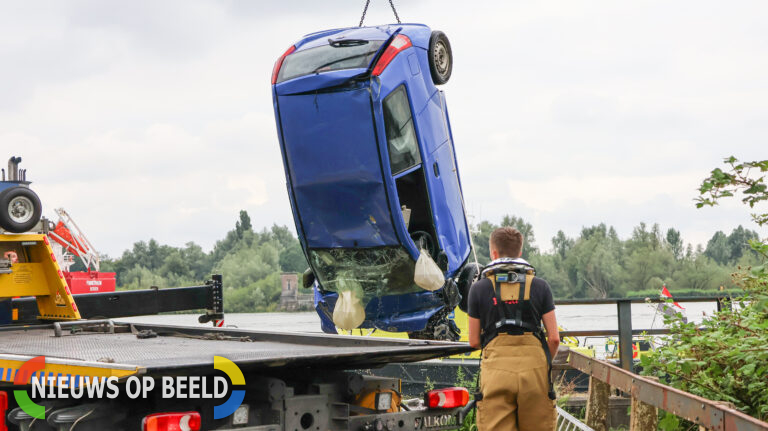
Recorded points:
(20, 209)
(440, 58)
(467, 276)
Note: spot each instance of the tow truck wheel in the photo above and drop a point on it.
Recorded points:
(20, 209)
(440, 58)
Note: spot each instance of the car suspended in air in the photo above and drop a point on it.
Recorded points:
(372, 177)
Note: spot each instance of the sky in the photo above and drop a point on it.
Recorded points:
(154, 119)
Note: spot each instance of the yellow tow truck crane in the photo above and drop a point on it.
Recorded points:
(28, 266)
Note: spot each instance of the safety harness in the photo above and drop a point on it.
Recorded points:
(515, 312)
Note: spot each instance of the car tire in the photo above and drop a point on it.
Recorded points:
(20, 209)
(424, 240)
(308, 278)
(468, 275)
(440, 58)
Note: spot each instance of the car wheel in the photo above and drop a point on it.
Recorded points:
(308, 278)
(424, 241)
(468, 275)
(440, 57)
(20, 209)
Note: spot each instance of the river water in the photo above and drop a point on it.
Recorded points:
(572, 317)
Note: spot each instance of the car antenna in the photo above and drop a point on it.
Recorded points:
(365, 9)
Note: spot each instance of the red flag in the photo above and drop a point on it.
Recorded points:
(665, 293)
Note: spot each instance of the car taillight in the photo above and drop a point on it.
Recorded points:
(185, 421)
(399, 43)
(279, 63)
(3, 408)
(447, 398)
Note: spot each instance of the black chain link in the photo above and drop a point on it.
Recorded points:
(394, 11)
(365, 9)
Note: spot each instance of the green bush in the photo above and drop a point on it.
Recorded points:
(725, 357)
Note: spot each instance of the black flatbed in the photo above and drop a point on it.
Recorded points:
(177, 349)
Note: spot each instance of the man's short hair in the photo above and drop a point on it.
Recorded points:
(508, 241)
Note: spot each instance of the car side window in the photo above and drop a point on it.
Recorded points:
(401, 135)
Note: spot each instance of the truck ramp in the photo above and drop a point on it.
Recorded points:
(123, 349)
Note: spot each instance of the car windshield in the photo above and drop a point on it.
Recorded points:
(377, 271)
(328, 57)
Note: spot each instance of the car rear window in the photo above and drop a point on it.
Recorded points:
(326, 58)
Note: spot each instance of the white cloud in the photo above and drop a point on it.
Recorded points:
(559, 193)
(155, 120)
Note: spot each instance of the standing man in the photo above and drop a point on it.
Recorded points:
(506, 308)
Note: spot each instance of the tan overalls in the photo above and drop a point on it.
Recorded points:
(514, 381)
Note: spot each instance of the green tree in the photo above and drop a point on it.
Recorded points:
(562, 244)
(593, 264)
(718, 248)
(738, 242)
(645, 265)
(675, 243)
(243, 225)
(199, 262)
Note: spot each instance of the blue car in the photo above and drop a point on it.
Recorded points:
(372, 174)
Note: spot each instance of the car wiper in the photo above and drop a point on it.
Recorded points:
(340, 60)
(341, 43)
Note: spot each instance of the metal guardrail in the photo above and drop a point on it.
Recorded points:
(566, 422)
(712, 415)
(639, 300)
(624, 312)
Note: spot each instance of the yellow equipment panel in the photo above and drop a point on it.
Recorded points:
(35, 272)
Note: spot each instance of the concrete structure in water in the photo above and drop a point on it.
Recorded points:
(290, 299)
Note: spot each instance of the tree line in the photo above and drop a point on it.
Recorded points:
(595, 264)
(250, 261)
(599, 264)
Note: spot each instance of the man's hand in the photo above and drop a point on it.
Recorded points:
(474, 332)
(553, 334)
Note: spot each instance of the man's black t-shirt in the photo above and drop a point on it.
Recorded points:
(481, 295)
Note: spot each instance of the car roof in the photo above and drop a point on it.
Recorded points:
(418, 33)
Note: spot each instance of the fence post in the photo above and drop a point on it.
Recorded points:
(597, 404)
(625, 334)
(644, 417)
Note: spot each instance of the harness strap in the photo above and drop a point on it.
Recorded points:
(528, 281)
(548, 355)
(520, 296)
(523, 298)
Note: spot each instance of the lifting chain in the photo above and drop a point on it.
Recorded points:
(394, 11)
(365, 9)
